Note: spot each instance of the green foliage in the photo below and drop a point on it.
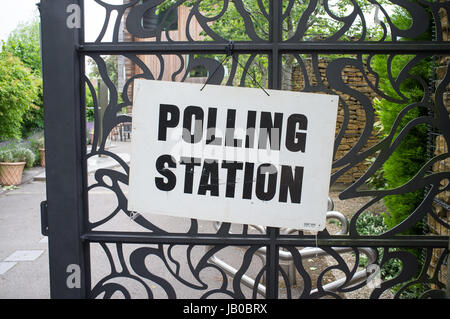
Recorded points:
(9, 188)
(370, 224)
(14, 153)
(373, 224)
(90, 112)
(412, 292)
(90, 115)
(6, 156)
(34, 144)
(231, 26)
(24, 43)
(376, 181)
(319, 23)
(19, 89)
(33, 118)
(410, 155)
(41, 142)
(111, 62)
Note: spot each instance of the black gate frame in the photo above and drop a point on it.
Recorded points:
(65, 213)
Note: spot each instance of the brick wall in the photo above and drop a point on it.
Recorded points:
(443, 197)
(442, 166)
(355, 79)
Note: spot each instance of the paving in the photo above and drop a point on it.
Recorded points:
(24, 270)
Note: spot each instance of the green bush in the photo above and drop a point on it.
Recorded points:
(14, 153)
(90, 113)
(373, 224)
(370, 224)
(377, 180)
(18, 91)
(410, 155)
(41, 142)
(24, 43)
(34, 145)
(33, 118)
(6, 156)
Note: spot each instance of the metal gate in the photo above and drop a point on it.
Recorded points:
(196, 259)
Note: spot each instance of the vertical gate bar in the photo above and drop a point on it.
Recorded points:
(272, 264)
(275, 36)
(86, 245)
(63, 138)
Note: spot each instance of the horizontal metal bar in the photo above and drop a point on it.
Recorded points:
(149, 238)
(262, 240)
(267, 47)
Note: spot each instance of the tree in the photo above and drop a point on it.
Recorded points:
(410, 156)
(19, 88)
(24, 43)
(111, 62)
(308, 15)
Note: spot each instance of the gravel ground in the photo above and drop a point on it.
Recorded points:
(348, 208)
(316, 265)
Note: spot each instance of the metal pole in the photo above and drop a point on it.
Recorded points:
(274, 83)
(65, 145)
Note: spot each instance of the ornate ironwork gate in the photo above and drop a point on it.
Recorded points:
(149, 256)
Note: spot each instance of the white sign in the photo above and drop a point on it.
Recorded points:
(231, 154)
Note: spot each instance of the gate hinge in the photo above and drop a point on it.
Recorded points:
(44, 218)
